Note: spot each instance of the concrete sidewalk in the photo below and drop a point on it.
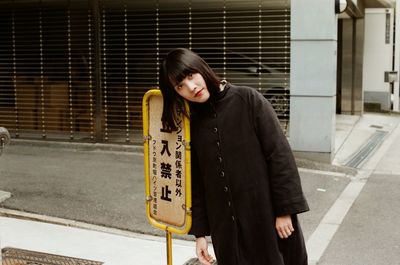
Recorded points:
(89, 203)
(89, 244)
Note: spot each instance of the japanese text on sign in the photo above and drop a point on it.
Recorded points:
(167, 158)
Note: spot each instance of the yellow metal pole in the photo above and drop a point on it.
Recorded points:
(169, 248)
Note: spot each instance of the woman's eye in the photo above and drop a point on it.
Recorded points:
(190, 75)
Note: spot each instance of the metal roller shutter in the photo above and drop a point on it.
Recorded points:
(48, 67)
(77, 70)
(128, 67)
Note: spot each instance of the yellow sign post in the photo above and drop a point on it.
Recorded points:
(167, 170)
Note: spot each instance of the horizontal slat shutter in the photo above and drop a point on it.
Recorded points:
(51, 68)
(246, 42)
(59, 81)
(128, 35)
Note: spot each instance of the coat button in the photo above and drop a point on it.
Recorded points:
(220, 159)
(229, 203)
(226, 189)
(215, 115)
(215, 129)
(222, 174)
(218, 143)
(233, 218)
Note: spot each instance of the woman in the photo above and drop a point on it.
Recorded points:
(246, 189)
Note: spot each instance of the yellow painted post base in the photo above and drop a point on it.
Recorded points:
(169, 248)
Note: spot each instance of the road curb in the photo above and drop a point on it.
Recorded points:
(77, 224)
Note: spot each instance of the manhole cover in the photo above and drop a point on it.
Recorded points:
(14, 256)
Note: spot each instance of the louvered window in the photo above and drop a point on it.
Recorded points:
(77, 70)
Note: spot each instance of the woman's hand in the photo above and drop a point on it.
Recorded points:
(202, 251)
(284, 226)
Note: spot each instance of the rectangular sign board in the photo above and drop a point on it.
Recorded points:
(167, 168)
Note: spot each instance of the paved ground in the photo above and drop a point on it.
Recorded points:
(353, 219)
(105, 188)
(370, 231)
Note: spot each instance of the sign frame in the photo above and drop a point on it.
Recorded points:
(146, 144)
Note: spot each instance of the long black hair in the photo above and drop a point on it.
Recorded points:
(178, 64)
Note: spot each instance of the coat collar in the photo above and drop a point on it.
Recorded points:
(209, 105)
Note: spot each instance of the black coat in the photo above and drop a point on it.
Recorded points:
(243, 177)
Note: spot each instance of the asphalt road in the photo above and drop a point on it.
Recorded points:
(107, 187)
(370, 233)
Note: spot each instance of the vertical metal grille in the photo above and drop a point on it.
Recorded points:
(7, 92)
(105, 76)
(14, 76)
(48, 54)
(41, 77)
(88, 116)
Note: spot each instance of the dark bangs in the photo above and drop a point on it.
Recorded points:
(178, 73)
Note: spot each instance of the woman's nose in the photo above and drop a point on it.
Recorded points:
(191, 85)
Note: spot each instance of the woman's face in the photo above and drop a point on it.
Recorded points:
(193, 88)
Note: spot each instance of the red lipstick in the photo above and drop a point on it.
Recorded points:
(199, 93)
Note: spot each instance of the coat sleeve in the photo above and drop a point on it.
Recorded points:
(200, 226)
(285, 184)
